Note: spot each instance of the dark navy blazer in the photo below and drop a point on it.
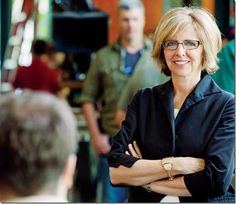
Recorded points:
(203, 128)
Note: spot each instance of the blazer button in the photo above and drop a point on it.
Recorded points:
(176, 136)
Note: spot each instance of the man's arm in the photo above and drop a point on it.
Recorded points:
(123, 102)
(90, 95)
(99, 140)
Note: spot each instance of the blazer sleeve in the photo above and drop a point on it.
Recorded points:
(117, 156)
(215, 179)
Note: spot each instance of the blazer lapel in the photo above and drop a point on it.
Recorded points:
(204, 87)
(165, 93)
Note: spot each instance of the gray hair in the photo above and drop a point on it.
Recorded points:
(130, 4)
(36, 139)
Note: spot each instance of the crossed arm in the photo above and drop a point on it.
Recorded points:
(151, 173)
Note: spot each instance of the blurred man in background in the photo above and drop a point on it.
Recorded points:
(111, 69)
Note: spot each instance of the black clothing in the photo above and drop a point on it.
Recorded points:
(204, 128)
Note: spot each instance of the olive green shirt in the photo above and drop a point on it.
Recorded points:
(106, 81)
(146, 76)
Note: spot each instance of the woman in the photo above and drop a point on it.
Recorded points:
(185, 127)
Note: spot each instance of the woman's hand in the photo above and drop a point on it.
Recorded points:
(188, 165)
(181, 165)
(134, 150)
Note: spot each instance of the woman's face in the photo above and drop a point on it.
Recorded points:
(182, 62)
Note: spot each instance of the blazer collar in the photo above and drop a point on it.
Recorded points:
(165, 92)
(205, 87)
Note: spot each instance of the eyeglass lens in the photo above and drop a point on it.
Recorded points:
(187, 44)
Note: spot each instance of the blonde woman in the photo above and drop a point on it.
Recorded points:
(185, 127)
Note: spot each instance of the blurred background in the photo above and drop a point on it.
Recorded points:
(75, 29)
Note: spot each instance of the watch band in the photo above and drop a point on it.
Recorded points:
(171, 178)
(167, 164)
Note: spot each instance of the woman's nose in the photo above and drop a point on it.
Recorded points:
(180, 50)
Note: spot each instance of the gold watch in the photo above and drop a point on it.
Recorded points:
(167, 164)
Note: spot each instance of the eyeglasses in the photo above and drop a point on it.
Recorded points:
(187, 44)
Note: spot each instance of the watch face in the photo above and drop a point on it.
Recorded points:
(168, 166)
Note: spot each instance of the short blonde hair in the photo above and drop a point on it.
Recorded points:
(205, 26)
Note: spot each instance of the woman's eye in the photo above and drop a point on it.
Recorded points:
(190, 43)
(171, 43)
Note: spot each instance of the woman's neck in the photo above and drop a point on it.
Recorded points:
(184, 85)
(182, 88)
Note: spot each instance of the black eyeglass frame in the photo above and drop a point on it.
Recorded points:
(182, 43)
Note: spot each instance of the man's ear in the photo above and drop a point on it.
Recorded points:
(68, 174)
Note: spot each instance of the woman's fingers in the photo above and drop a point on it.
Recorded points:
(136, 148)
(132, 151)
